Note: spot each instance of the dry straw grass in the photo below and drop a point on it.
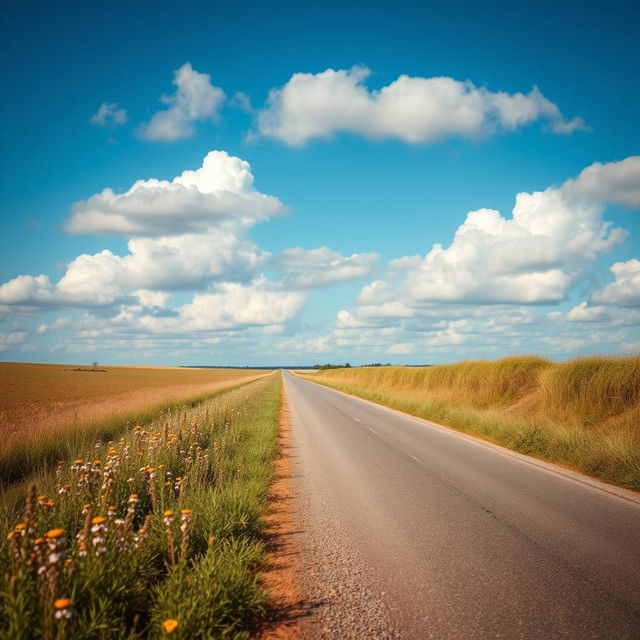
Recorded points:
(584, 413)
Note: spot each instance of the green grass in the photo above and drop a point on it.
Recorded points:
(198, 568)
(584, 413)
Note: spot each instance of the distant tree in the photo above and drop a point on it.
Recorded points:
(95, 364)
(347, 365)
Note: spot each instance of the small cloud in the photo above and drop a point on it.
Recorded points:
(242, 102)
(195, 99)
(108, 115)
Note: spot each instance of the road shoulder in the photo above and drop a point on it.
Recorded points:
(289, 612)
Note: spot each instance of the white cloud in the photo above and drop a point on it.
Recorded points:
(152, 299)
(321, 267)
(231, 306)
(413, 109)
(190, 261)
(221, 190)
(109, 115)
(533, 257)
(241, 101)
(195, 99)
(625, 290)
(615, 182)
(11, 339)
(587, 313)
(299, 344)
(59, 323)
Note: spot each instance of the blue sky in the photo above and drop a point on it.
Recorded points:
(387, 124)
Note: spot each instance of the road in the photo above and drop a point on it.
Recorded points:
(412, 530)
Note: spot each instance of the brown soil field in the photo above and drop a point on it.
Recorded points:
(43, 397)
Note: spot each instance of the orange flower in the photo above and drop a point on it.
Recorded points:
(170, 625)
(62, 603)
(186, 512)
(54, 533)
(168, 513)
(98, 520)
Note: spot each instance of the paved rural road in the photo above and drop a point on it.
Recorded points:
(411, 530)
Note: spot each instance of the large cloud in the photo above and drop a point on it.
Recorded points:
(168, 263)
(322, 267)
(413, 109)
(195, 99)
(221, 190)
(533, 257)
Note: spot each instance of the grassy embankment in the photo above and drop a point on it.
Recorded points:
(48, 412)
(584, 413)
(154, 535)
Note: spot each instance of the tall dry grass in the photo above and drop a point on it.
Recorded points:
(584, 413)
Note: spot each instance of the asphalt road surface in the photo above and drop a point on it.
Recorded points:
(411, 530)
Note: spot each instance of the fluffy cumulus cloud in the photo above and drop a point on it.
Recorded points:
(533, 257)
(322, 267)
(109, 115)
(188, 233)
(231, 306)
(158, 264)
(413, 109)
(220, 190)
(195, 99)
(615, 182)
(585, 312)
(625, 290)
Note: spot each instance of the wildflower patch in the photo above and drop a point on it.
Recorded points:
(155, 534)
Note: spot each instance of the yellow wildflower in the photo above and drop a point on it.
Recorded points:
(54, 533)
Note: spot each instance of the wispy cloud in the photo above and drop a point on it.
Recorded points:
(109, 115)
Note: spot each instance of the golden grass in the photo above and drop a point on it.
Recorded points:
(584, 413)
(36, 398)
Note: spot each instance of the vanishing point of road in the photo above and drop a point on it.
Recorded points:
(412, 530)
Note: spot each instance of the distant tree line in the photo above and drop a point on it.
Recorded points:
(346, 365)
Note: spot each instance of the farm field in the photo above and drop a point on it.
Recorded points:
(43, 406)
(155, 533)
(584, 413)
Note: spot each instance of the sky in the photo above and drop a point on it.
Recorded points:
(256, 183)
